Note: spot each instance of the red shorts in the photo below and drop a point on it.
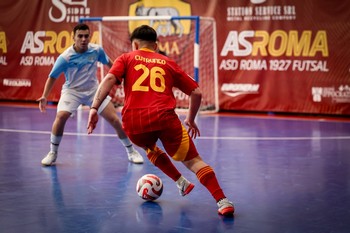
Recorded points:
(174, 137)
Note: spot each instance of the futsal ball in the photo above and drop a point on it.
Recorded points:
(149, 187)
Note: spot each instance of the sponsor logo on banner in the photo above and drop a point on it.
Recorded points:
(257, 1)
(236, 89)
(340, 95)
(68, 10)
(162, 8)
(17, 82)
(259, 12)
(3, 48)
(40, 48)
(279, 50)
(264, 44)
(3, 60)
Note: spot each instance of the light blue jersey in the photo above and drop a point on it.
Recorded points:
(79, 68)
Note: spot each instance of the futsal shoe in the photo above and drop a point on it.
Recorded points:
(225, 207)
(135, 157)
(185, 187)
(49, 159)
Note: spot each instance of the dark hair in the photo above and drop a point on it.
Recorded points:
(145, 33)
(80, 26)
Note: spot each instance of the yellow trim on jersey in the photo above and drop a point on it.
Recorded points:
(181, 153)
(148, 50)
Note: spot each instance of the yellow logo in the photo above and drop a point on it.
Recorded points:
(162, 8)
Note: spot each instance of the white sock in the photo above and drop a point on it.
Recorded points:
(55, 142)
(128, 145)
(179, 181)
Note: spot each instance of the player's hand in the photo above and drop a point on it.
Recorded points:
(42, 104)
(93, 119)
(192, 130)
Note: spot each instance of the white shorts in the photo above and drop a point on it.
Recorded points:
(70, 100)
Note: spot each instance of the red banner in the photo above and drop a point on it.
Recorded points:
(278, 56)
(285, 56)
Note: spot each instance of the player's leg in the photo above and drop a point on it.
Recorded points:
(64, 110)
(206, 176)
(161, 160)
(181, 148)
(108, 112)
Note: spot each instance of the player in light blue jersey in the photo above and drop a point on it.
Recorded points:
(79, 65)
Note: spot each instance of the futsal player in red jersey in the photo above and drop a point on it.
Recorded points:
(149, 113)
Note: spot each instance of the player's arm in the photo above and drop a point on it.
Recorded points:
(59, 66)
(103, 90)
(110, 63)
(43, 99)
(104, 58)
(194, 105)
(190, 87)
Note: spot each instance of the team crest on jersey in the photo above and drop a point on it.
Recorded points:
(162, 8)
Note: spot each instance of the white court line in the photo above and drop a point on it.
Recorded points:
(201, 137)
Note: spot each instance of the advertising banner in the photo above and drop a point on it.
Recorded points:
(272, 55)
(284, 56)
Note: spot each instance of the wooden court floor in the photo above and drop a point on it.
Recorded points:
(284, 174)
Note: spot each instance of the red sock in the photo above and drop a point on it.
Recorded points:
(207, 177)
(163, 162)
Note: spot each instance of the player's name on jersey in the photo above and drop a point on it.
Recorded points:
(150, 60)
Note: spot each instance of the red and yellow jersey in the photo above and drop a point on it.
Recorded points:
(149, 78)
